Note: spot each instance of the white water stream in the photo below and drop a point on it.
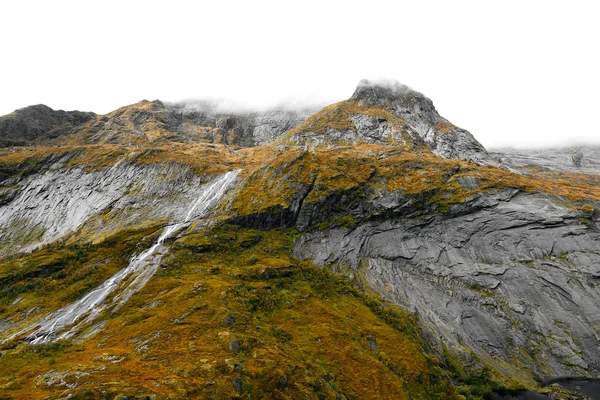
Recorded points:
(138, 272)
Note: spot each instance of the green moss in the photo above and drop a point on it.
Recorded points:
(479, 290)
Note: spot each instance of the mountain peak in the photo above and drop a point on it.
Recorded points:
(376, 92)
(380, 111)
(34, 108)
(397, 98)
(385, 111)
(31, 123)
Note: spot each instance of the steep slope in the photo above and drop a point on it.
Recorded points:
(229, 315)
(389, 113)
(503, 273)
(37, 123)
(52, 192)
(498, 271)
(515, 275)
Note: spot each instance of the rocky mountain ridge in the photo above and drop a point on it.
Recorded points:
(31, 124)
(145, 123)
(369, 249)
(376, 113)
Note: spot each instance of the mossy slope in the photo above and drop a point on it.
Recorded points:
(232, 315)
(331, 183)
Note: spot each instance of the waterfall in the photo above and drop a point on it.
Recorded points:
(140, 270)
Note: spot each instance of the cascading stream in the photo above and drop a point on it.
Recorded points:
(140, 270)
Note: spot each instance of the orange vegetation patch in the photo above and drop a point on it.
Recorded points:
(232, 305)
(275, 181)
(337, 116)
(444, 126)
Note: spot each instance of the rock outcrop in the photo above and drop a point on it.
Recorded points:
(445, 139)
(46, 206)
(510, 276)
(201, 122)
(39, 122)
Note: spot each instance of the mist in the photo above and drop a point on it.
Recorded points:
(555, 144)
(532, 85)
(220, 105)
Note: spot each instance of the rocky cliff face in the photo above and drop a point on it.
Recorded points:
(47, 206)
(445, 139)
(389, 113)
(497, 269)
(245, 129)
(510, 276)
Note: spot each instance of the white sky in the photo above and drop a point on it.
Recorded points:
(520, 73)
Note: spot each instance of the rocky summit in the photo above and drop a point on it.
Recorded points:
(367, 250)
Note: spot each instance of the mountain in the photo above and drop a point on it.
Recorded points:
(370, 249)
(148, 123)
(36, 123)
(376, 113)
(445, 139)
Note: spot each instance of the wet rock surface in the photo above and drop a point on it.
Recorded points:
(46, 206)
(512, 275)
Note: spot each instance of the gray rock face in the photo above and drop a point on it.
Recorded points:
(445, 139)
(513, 277)
(242, 128)
(458, 143)
(371, 129)
(49, 205)
(270, 125)
(139, 123)
(367, 129)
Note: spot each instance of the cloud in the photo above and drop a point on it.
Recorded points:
(228, 106)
